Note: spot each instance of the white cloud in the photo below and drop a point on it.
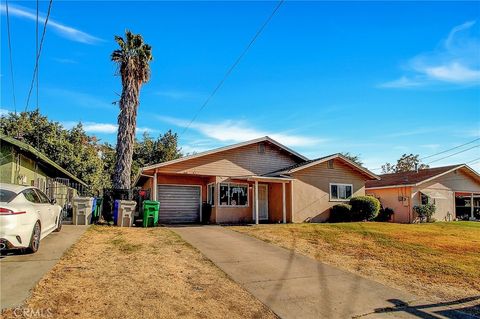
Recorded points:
(453, 72)
(455, 61)
(239, 131)
(402, 82)
(62, 29)
(105, 128)
(4, 112)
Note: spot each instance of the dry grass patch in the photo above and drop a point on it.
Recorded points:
(438, 260)
(140, 273)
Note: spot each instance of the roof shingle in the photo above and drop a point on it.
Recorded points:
(409, 178)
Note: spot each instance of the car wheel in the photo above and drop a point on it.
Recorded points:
(60, 222)
(35, 240)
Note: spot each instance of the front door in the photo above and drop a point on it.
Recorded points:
(262, 202)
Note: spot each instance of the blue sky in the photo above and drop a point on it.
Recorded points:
(371, 78)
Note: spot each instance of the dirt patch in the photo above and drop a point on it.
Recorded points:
(434, 261)
(139, 273)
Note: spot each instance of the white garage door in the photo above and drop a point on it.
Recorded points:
(179, 204)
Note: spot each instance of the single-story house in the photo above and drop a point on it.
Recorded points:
(256, 181)
(455, 191)
(22, 164)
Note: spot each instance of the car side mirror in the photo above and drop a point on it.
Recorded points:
(53, 201)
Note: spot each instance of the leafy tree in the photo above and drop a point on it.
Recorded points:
(405, 163)
(149, 151)
(83, 155)
(72, 149)
(133, 60)
(354, 158)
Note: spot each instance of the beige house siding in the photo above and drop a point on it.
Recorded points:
(389, 197)
(241, 161)
(311, 189)
(446, 186)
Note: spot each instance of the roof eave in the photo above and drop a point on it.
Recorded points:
(226, 148)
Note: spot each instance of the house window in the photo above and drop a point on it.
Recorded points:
(211, 194)
(424, 199)
(233, 194)
(340, 191)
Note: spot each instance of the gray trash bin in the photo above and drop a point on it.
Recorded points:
(126, 211)
(82, 210)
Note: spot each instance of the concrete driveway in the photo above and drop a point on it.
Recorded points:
(19, 273)
(295, 286)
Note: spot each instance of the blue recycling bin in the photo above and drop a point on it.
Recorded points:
(115, 211)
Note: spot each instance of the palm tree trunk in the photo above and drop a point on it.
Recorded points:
(127, 121)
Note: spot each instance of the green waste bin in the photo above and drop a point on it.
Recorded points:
(150, 213)
(98, 208)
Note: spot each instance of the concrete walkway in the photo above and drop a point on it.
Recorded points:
(19, 273)
(295, 286)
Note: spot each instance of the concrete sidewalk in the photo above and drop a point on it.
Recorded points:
(293, 285)
(19, 273)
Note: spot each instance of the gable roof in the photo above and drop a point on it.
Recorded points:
(310, 163)
(226, 148)
(42, 157)
(413, 178)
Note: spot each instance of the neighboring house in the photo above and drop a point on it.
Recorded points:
(258, 180)
(455, 191)
(22, 164)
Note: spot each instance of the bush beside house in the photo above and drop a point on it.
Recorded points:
(384, 215)
(360, 208)
(340, 213)
(425, 212)
(364, 207)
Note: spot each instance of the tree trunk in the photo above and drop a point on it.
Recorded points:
(127, 121)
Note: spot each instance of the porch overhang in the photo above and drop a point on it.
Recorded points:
(266, 179)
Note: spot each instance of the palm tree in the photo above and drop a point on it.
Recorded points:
(133, 60)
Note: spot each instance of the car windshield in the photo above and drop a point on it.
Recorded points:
(6, 196)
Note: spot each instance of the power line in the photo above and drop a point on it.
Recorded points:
(472, 161)
(11, 58)
(232, 67)
(38, 55)
(441, 152)
(439, 159)
(450, 149)
(36, 49)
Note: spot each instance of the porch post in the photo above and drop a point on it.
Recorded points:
(284, 204)
(472, 208)
(154, 186)
(256, 202)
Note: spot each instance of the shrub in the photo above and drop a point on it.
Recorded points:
(340, 213)
(364, 207)
(425, 212)
(384, 215)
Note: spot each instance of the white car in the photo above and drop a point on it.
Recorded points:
(26, 217)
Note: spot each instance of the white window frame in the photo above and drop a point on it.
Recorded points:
(213, 195)
(339, 199)
(232, 183)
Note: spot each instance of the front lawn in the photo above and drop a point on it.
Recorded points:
(139, 273)
(440, 260)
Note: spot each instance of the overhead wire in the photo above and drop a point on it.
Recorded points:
(11, 57)
(232, 67)
(38, 55)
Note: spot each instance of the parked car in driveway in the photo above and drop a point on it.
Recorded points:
(27, 216)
